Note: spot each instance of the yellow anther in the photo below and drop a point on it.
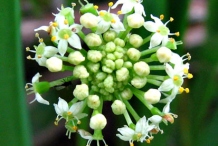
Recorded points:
(177, 34)
(181, 89)
(158, 30)
(79, 122)
(171, 19)
(110, 4)
(27, 48)
(187, 90)
(169, 118)
(73, 4)
(36, 35)
(189, 56)
(175, 78)
(66, 36)
(172, 40)
(161, 17)
(190, 76)
(148, 141)
(119, 12)
(139, 135)
(41, 40)
(26, 86)
(75, 128)
(185, 70)
(29, 57)
(131, 144)
(96, 7)
(113, 21)
(69, 113)
(65, 21)
(56, 123)
(39, 56)
(53, 38)
(101, 13)
(55, 24)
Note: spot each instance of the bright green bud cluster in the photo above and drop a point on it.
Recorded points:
(80, 72)
(94, 55)
(93, 40)
(81, 91)
(75, 58)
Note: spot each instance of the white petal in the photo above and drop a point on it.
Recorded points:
(155, 40)
(139, 9)
(155, 119)
(62, 47)
(117, 3)
(157, 20)
(45, 28)
(77, 27)
(175, 59)
(169, 70)
(41, 61)
(167, 85)
(76, 108)
(74, 41)
(40, 99)
(102, 26)
(84, 134)
(150, 26)
(63, 105)
(36, 78)
(118, 26)
(140, 125)
(57, 109)
(165, 40)
(126, 8)
(50, 51)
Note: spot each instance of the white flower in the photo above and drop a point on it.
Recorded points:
(140, 133)
(38, 97)
(155, 121)
(107, 20)
(128, 5)
(73, 112)
(160, 31)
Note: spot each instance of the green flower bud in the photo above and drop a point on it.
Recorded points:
(80, 72)
(93, 67)
(118, 107)
(139, 82)
(126, 94)
(98, 122)
(41, 87)
(111, 56)
(104, 92)
(88, 8)
(127, 64)
(81, 91)
(164, 54)
(110, 64)
(120, 49)
(94, 88)
(122, 74)
(135, 20)
(106, 69)
(108, 82)
(110, 47)
(109, 35)
(54, 64)
(135, 40)
(110, 90)
(94, 55)
(119, 42)
(133, 54)
(152, 96)
(141, 68)
(119, 63)
(101, 76)
(75, 58)
(93, 40)
(118, 55)
(93, 101)
(88, 20)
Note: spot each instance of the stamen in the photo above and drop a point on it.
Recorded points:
(189, 56)
(187, 90)
(171, 19)
(177, 34)
(131, 144)
(75, 128)
(56, 123)
(36, 35)
(189, 76)
(53, 38)
(119, 12)
(148, 140)
(40, 40)
(73, 4)
(96, 7)
(27, 48)
(161, 17)
(185, 70)
(101, 13)
(110, 4)
(158, 31)
(172, 40)
(113, 21)
(55, 24)
(181, 89)
(29, 57)
(139, 135)
(79, 122)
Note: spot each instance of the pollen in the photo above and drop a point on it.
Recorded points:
(139, 135)
(66, 36)
(55, 24)
(75, 128)
(171, 19)
(113, 21)
(66, 21)
(101, 13)
(187, 90)
(53, 38)
(110, 4)
(26, 87)
(55, 123)
(177, 34)
(161, 17)
(96, 7)
(119, 12)
(189, 76)
(181, 89)
(158, 31)
(185, 70)
(189, 56)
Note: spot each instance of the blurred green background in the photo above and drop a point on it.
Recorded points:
(22, 124)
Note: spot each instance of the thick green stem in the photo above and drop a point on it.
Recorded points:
(157, 67)
(147, 39)
(128, 119)
(149, 51)
(62, 81)
(131, 110)
(65, 67)
(156, 77)
(154, 82)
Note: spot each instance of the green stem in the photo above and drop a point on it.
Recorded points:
(128, 119)
(149, 51)
(124, 33)
(62, 58)
(62, 81)
(65, 67)
(154, 82)
(157, 67)
(147, 60)
(156, 77)
(82, 35)
(131, 110)
(147, 39)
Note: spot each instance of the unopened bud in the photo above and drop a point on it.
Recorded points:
(139, 82)
(126, 94)
(141, 68)
(118, 107)
(94, 55)
(135, 20)
(80, 72)
(93, 101)
(98, 122)
(54, 64)
(122, 74)
(88, 20)
(109, 35)
(135, 40)
(75, 58)
(133, 54)
(152, 96)
(81, 91)
(93, 40)
(164, 54)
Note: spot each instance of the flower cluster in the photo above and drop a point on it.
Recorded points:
(113, 65)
